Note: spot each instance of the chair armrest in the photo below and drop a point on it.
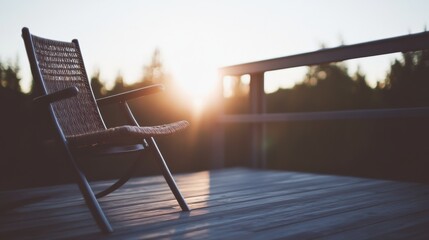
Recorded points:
(125, 96)
(57, 96)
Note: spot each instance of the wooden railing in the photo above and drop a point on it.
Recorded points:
(256, 70)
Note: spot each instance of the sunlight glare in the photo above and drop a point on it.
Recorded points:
(198, 105)
(197, 87)
(228, 85)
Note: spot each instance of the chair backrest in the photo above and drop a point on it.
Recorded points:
(57, 65)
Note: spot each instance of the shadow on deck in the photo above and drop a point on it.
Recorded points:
(227, 204)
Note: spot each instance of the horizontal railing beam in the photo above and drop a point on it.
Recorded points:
(328, 115)
(407, 43)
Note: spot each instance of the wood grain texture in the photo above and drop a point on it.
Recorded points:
(233, 203)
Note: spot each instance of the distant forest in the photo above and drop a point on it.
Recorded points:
(388, 148)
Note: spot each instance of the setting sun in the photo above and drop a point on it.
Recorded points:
(196, 80)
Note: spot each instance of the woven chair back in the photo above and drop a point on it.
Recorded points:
(61, 66)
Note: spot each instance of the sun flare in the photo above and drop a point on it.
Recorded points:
(198, 105)
(197, 87)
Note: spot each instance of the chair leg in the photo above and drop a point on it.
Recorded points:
(89, 197)
(85, 188)
(167, 175)
(93, 205)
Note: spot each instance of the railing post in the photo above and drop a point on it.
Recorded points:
(218, 148)
(218, 130)
(257, 106)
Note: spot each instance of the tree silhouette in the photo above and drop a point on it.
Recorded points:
(97, 86)
(9, 76)
(325, 87)
(408, 80)
(154, 72)
(2, 82)
(119, 85)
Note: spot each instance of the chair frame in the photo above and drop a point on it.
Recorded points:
(46, 100)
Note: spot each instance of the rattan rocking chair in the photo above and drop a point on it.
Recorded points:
(59, 72)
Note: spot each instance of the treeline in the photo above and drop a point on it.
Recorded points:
(385, 148)
(9, 76)
(330, 87)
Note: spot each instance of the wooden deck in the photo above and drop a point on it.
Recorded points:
(227, 204)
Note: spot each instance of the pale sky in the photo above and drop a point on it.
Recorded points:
(197, 37)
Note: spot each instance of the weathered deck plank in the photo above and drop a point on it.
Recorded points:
(227, 204)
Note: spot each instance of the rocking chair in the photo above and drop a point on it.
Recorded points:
(59, 72)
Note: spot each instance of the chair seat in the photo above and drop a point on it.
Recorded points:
(125, 134)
